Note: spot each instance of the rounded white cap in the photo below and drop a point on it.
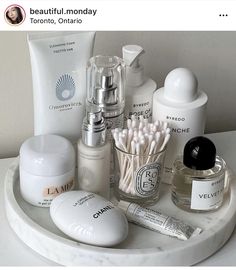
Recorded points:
(47, 155)
(181, 85)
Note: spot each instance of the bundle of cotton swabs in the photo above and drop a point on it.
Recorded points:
(140, 143)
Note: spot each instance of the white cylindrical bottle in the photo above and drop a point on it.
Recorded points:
(183, 106)
(138, 88)
(94, 154)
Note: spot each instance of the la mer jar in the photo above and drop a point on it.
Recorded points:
(47, 168)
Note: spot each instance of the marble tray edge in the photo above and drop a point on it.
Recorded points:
(83, 247)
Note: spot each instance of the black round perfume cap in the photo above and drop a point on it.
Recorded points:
(199, 153)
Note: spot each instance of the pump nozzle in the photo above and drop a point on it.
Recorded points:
(106, 93)
(94, 126)
(134, 71)
(131, 54)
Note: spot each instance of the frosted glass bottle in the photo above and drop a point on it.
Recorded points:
(94, 168)
(94, 154)
(138, 88)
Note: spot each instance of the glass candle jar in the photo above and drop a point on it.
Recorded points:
(138, 177)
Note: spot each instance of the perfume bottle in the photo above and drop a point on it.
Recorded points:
(199, 177)
(183, 106)
(94, 154)
(105, 88)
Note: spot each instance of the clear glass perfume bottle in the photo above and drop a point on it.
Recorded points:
(199, 177)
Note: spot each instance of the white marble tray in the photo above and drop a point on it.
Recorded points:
(142, 247)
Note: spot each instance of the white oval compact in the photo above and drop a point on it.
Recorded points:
(89, 218)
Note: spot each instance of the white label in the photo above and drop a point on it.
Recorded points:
(207, 195)
(138, 105)
(147, 179)
(185, 124)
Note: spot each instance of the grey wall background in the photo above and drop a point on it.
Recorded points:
(210, 55)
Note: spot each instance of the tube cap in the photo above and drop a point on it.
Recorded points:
(199, 153)
(47, 155)
(123, 205)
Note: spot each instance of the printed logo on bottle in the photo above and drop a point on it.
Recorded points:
(65, 87)
(147, 179)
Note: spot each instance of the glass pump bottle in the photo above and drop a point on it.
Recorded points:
(105, 88)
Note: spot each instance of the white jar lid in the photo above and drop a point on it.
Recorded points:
(47, 155)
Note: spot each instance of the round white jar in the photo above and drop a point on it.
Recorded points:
(47, 168)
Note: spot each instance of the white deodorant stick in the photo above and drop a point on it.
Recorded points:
(89, 218)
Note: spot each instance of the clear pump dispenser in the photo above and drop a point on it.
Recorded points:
(105, 88)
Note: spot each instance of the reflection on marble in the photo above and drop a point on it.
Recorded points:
(142, 247)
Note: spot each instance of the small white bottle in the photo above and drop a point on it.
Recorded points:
(94, 154)
(138, 88)
(183, 106)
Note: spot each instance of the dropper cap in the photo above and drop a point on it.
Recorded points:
(94, 127)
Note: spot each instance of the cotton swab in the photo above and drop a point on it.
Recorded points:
(139, 142)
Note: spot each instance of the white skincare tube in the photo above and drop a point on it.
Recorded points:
(58, 61)
(157, 221)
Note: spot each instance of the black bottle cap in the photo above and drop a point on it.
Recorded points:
(199, 154)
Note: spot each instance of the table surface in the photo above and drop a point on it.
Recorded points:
(13, 252)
